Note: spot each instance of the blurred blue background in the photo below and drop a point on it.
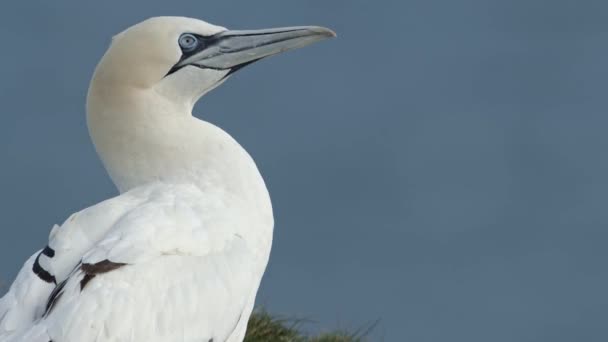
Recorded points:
(440, 166)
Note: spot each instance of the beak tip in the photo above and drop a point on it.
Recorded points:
(324, 31)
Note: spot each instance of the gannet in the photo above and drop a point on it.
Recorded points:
(180, 253)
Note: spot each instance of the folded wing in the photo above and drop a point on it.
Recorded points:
(156, 264)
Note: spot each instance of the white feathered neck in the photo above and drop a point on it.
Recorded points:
(144, 135)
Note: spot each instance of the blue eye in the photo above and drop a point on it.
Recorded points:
(188, 42)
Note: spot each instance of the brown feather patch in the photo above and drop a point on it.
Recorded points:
(91, 270)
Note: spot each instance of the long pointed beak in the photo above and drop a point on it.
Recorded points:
(234, 49)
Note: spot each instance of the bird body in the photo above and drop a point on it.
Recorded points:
(184, 259)
(180, 253)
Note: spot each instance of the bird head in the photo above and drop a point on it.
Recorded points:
(139, 104)
(183, 58)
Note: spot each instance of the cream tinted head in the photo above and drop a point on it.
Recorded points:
(182, 58)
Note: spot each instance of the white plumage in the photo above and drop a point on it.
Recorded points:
(180, 253)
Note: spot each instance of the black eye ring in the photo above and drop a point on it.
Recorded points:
(188, 41)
